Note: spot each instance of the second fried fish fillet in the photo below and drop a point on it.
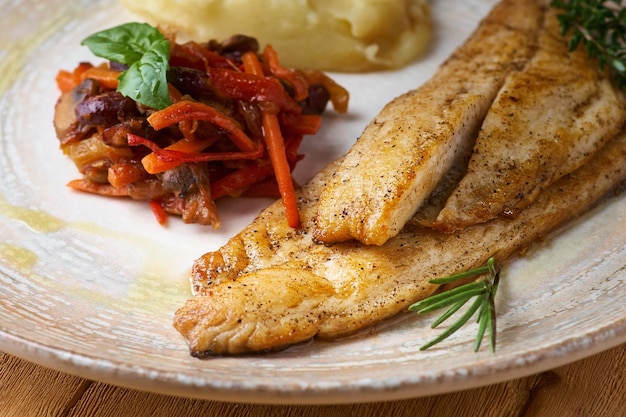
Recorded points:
(547, 120)
(271, 286)
(407, 148)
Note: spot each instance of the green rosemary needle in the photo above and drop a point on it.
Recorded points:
(483, 291)
(600, 26)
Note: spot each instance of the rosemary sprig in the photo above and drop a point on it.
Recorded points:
(484, 292)
(600, 25)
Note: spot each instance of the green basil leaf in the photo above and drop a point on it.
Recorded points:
(125, 43)
(145, 81)
(146, 52)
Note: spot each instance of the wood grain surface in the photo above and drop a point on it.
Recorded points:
(595, 386)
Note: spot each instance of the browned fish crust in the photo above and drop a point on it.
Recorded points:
(407, 148)
(547, 120)
(270, 287)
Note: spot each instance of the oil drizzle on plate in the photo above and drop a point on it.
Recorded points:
(155, 284)
(19, 258)
(36, 220)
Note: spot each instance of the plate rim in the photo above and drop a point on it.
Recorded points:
(169, 383)
(161, 382)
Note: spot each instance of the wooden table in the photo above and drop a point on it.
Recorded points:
(594, 387)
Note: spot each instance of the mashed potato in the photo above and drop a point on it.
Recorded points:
(330, 35)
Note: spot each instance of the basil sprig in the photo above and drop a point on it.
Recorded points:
(146, 53)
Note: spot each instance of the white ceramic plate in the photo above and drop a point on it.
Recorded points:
(89, 285)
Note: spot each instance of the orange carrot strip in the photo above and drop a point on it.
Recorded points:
(251, 64)
(175, 95)
(64, 80)
(191, 110)
(104, 75)
(168, 155)
(80, 70)
(67, 80)
(301, 124)
(309, 124)
(282, 170)
(159, 212)
(299, 84)
(95, 188)
(154, 165)
(276, 148)
(239, 180)
(124, 173)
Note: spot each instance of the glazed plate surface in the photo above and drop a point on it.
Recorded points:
(89, 285)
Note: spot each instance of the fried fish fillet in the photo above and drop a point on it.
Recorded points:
(406, 149)
(547, 120)
(271, 286)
